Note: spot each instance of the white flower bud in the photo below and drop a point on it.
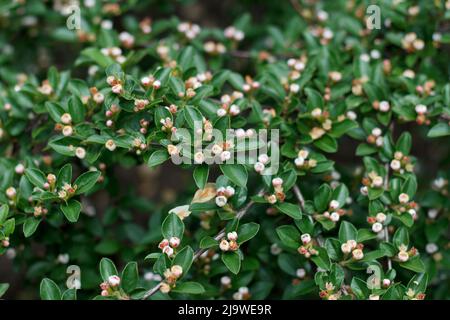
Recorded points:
(395, 165)
(110, 145)
(306, 238)
(80, 152)
(300, 273)
(114, 281)
(277, 182)
(221, 201)
(19, 169)
(386, 282)
(66, 118)
(381, 217)
(352, 244)
(263, 158)
(176, 270)
(168, 250)
(67, 131)
(421, 108)
(294, 88)
(431, 248)
(229, 191)
(403, 198)
(376, 132)
(299, 162)
(225, 281)
(345, 248)
(232, 236)
(224, 245)
(225, 155)
(384, 106)
(11, 192)
(334, 204)
(317, 112)
(259, 167)
(403, 256)
(234, 110)
(377, 227)
(357, 254)
(174, 242)
(334, 216)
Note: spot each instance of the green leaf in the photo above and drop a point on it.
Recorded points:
(237, 173)
(71, 210)
(172, 226)
(289, 236)
(189, 288)
(3, 288)
(98, 57)
(201, 175)
(4, 210)
(365, 234)
(347, 231)
(192, 116)
(208, 242)
(440, 129)
(69, 294)
(327, 144)
(322, 198)
(157, 157)
(55, 111)
(130, 277)
(232, 261)
(30, 226)
(322, 260)
(340, 194)
(184, 258)
(401, 236)
(64, 175)
(86, 181)
(49, 290)
(36, 177)
(292, 210)
(414, 264)
(404, 143)
(247, 231)
(107, 269)
(76, 109)
(359, 288)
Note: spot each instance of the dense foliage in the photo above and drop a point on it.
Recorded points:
(355, 210)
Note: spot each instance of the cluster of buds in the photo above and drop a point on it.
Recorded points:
(421, 111)
(404, 254)
(190, 30)
(150, 81)
(233, 34)
(116, 84)
(377, 221)
(411, 43)
(223, 194)
(426, 89)
(97, 96)
(242, 294)
(139, 145)
(66, 125)
(405, 205)
(173, 150)
(67, 191)
(382, 106)
(296, 66)
(126, 39)
(279, 194)
(146, 25)
(143, 123)
(357, 85)
(329, 292)
(111, 286)
(356, 249)
(214, 48)
(227, 99)
(401, 163)
(170, 278)
(325, 123)
(334, 213)
(230, 242)
(39, 211)
(373, 180)
(250, 85)
(307, 249)
(412, 295)
(303, 161)
(260, 165)
(325, 34)
(115, 53)
(168, 246)
(167, 125)
(375, 137)
(140, 104)
(232, 110)
(45, 88)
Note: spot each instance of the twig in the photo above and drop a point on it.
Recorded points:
(299, 196)
(297, 7)
(199, 252)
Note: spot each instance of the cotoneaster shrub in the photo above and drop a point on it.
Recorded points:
(355, 210)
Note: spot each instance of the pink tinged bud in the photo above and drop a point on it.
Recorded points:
(221, 112)
(164, 243)
(46, 185)
(277, 182)
(386, 282)
(174, 242)
(232, 236)
(224, 245)
(306, 238)
(334, 204)
(66, 118)
(263, 158)
(259, 167)
(176, 270)
(109, 123)
(240, 133)
(104, 293)
(11, 192)
(334, 217)
(114, 281)
(19, 169)
(377, 227)
(357, 254)
(229, 191)
(168, 250)
(225, 155)
(403, 198)
(156, 84)
(403, 256)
